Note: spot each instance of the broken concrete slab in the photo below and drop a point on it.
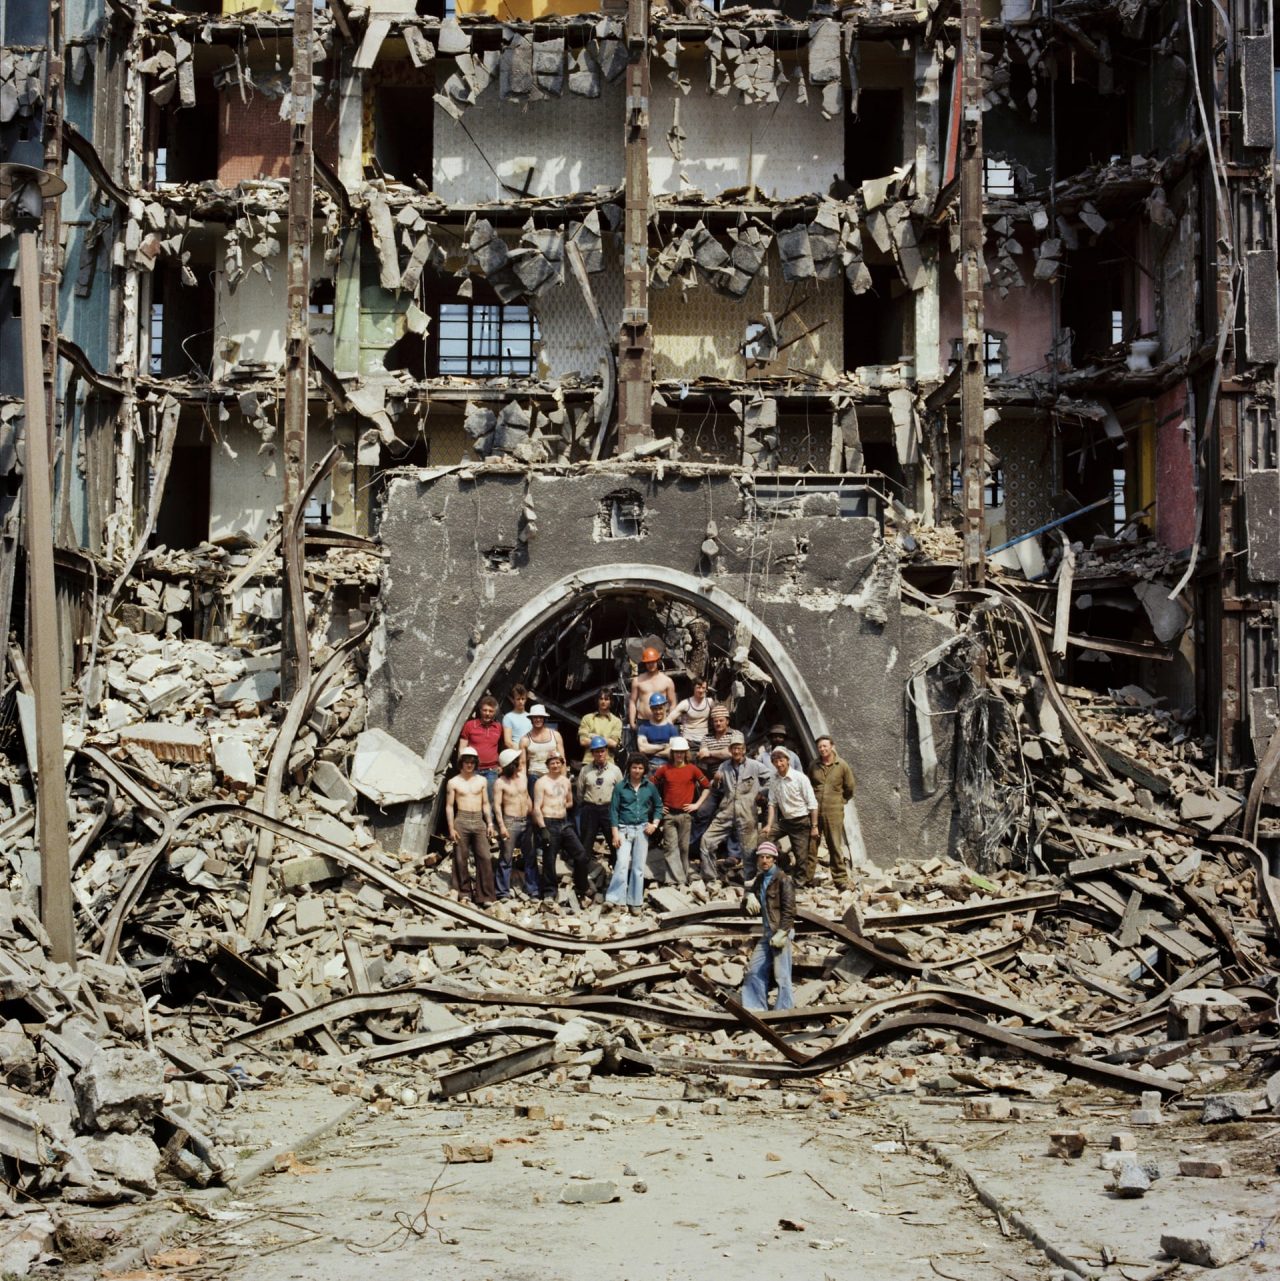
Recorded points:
(119, 1089)
(386, 771)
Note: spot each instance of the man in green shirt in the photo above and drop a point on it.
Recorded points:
(602, 723)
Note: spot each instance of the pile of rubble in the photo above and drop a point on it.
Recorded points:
(1111, 932)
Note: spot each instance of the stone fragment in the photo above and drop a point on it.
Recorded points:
(1123, 1141)
(1210, 1244)
(131, 1159)
(309, 913)
(1068, 1143)
(235, 761)
(1149, 1113)
(330, 781)
(467, 1153)
(589, 1192)
(255, 687)
(1191, 1167)
(386, 771)
(994, 1108)
(1227, 1107)
(119, 1089)
(1130, 1180)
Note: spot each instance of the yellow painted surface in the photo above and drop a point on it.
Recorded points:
(248, 6)
(525, 10)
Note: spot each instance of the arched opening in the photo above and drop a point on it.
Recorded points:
(585, 633)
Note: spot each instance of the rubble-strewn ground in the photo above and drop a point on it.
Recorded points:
(1103, 961)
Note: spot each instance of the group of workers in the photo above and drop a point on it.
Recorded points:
(676, 765)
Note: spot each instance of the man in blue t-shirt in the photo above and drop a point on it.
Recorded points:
(653, 735)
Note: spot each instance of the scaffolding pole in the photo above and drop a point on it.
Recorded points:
(296, 663)
(635, 343)
(972, 408)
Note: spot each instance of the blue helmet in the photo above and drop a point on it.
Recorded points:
(597, 742)
(657, 700)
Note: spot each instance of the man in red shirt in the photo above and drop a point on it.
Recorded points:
(678, 783)
(484, 733)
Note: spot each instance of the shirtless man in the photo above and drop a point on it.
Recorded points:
(645, 685)
(552, 800)
(538, 744)
(512, 806)
(470, 822)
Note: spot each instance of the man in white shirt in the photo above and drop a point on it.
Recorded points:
(793, 812)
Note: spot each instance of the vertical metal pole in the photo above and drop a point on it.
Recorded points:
(973, 429)
(45, 667)
(297, 336)
(635, 344)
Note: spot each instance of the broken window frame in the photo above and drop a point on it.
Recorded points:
(478, 363)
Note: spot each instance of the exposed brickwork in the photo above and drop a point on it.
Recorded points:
(253, 142)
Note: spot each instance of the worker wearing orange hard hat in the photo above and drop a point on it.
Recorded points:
(647, 682)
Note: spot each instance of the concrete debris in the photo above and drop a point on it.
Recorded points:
(1212, 1244)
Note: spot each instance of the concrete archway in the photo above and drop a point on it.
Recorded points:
(609, 580)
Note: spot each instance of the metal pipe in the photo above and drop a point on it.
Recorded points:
(1053, 524)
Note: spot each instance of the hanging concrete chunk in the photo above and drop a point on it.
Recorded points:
(587, 236)
(793, 249)
(548, 67)
(824, 52)
(584, 73)
(451, 39)
(515, 68)
(421, 50)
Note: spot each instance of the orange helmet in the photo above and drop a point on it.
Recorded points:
(651, 655)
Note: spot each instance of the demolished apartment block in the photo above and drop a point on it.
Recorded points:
(395, 354)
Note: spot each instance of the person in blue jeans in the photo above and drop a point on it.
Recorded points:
(634, 812)
(511, 812)
(772, 897)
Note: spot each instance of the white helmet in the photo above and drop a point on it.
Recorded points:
(679, 745)
(468, 751)
(506, 757)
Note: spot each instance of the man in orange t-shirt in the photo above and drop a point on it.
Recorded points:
(678, 783)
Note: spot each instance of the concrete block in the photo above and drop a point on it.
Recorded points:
(1068, 1143)
(1227, 1107)
(1130, 1180)
(589, 1192)
(235, 762)
(386, 771)
(1191, 1167)
(307, 869)
(131, 1159)
(1123, 1141)
(1149, 1113)
(990, 1109)
(309, 913)
(330, 781)
(119, 1089)
(1210, 1244)
(255, 687)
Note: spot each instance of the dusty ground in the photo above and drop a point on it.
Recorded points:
(739, 1188)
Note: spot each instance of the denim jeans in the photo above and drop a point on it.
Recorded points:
(519, 836)
(592, 820)
(627, 885)
(490, 776)
(768, 962)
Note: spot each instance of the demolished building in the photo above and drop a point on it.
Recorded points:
(397, 353)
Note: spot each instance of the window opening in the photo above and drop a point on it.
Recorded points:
(1119, 511)
(485, 340)
(1117, 326)
(993, 490)
(155, 338)
(997, 177)
(993, 354)
(626, 515)
(317, 513)
(323, 295)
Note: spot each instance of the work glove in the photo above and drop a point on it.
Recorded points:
(779, 939)
(753, 905)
